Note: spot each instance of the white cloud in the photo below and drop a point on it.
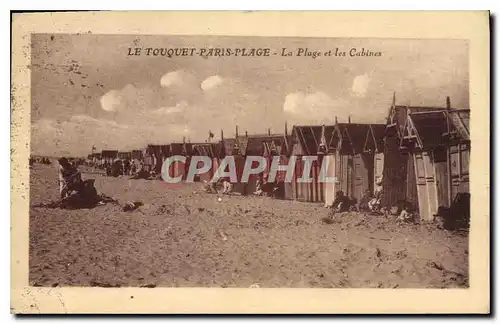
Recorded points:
(360, 85)
(111, 101)
(211, 82)
(171, 78)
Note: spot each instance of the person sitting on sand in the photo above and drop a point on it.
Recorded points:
(133, 169)
(363, 202)
(69, 177)
(227, 187)
(375, 203)
(341, 202)
(258, 188)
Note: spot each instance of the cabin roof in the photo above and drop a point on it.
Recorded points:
(459, 122)
(350, 137)
(429, 128)
(204, 149)
(310, 137)
(398, 115)
(375, 137)
(241, 143)
(256, 144)
(228, 146)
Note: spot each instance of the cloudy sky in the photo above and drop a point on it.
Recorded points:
(87, 91)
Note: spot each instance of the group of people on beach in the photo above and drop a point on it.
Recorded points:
(369, 202)
(70, 180)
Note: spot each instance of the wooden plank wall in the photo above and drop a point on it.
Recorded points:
(411, 183)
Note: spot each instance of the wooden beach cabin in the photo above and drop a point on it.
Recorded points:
(309, 141)
(207, 150)
(109, 156)
(374, 148)
(439, 145)
(137, 155)
(399, 178)
(354, 167)
(264, 145)
(459, 147)
(279, 146)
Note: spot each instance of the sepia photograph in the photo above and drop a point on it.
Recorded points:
(241, 161)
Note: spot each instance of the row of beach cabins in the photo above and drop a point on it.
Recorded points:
(421, 155)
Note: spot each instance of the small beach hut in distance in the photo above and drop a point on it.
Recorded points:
(206, 150)
(262, 145)
(354, 166)
(137, 154)
(109, 155)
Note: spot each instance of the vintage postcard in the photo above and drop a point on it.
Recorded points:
(231, 162)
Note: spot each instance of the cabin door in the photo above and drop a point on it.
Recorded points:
(350, 176)
(329, 164)
(378, 169)
(464, 167)
(360, 176)
(441, 169)
(426, 186)
(459, 169)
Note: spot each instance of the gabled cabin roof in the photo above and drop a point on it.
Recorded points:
(256, 144)
(398, 115)
(228, 146)
(241, 143)
(155, 149)
(310, 137)
(426, 130)
(278, 145)
(459, 122)
(374, 141)
(204, 149)
(350, 138)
